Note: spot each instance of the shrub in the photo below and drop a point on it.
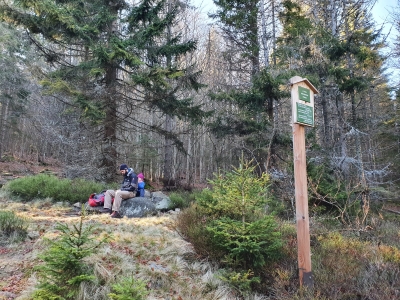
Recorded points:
(340, 260)
(247, 245)
(390, 254)
(241, 281)
(239, 195)
(229, 221)
(12, 226)
(64, 269)
(129, 288)
(177, 201)
(328, 189)
(49, 186)
(181, 199)
(191, 224)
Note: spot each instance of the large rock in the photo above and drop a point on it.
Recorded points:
(161, 201)
(137, 207)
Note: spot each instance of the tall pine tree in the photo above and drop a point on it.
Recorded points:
(253, 88)
(99, 49)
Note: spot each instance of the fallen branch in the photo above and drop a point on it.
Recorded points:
(391, 210)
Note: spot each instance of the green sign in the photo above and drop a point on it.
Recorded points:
(304, 94)
(305, 114)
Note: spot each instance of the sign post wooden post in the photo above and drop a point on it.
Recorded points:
(302, 115)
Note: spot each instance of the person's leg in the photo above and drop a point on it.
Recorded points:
(119, 196)
(108, 198)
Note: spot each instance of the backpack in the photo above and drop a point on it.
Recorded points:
(97, 199)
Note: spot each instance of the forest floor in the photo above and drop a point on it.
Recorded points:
(13, 169)
(18, 259)
(151, 244)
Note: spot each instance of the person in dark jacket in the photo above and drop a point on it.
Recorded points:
(128, 190)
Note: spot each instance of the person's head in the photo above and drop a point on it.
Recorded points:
(123, 169)
(140, 177)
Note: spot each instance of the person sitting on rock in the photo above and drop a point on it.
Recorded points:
(141, 185)
(128, 190)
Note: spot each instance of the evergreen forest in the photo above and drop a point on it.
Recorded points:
(180, 94)
(193, 96)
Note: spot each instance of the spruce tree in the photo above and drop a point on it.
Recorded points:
(63, 269)
(108, 56)
(253, 88)
(239, 23)
(344, 64)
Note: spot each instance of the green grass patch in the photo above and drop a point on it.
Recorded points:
(182, 199)
(12, 226)
(49, 186)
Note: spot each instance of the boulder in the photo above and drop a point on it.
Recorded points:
(137, 207)
(161, 201)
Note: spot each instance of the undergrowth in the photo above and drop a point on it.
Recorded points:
(63, 269)
(229, 224)
(12, 227)
(129, 288)
(49, 186)
(182, 199)
(253, 252)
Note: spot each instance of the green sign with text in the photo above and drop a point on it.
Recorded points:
(305, 114)
(304, 94)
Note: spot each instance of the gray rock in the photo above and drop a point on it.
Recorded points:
(137, 207)
(176, 211)
(161, 201)
(89, 208)
(33, 235)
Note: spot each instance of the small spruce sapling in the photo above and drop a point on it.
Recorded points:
(239, 194)
(129, 288)
(64, 268)
(238, 223)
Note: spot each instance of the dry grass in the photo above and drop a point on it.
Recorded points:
(148, 249)
(345, 265)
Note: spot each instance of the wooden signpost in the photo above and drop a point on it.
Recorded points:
(302, 115)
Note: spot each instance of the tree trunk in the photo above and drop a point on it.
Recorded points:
(109, 151)
(264, 34)
(273, 31)
(3, 124)
(168, 179)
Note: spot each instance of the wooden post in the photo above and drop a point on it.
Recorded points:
(301, 196)
(302, 115)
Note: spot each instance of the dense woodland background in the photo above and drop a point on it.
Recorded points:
(180, 96)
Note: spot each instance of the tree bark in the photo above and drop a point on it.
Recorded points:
(3, 124)
(109, 151)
